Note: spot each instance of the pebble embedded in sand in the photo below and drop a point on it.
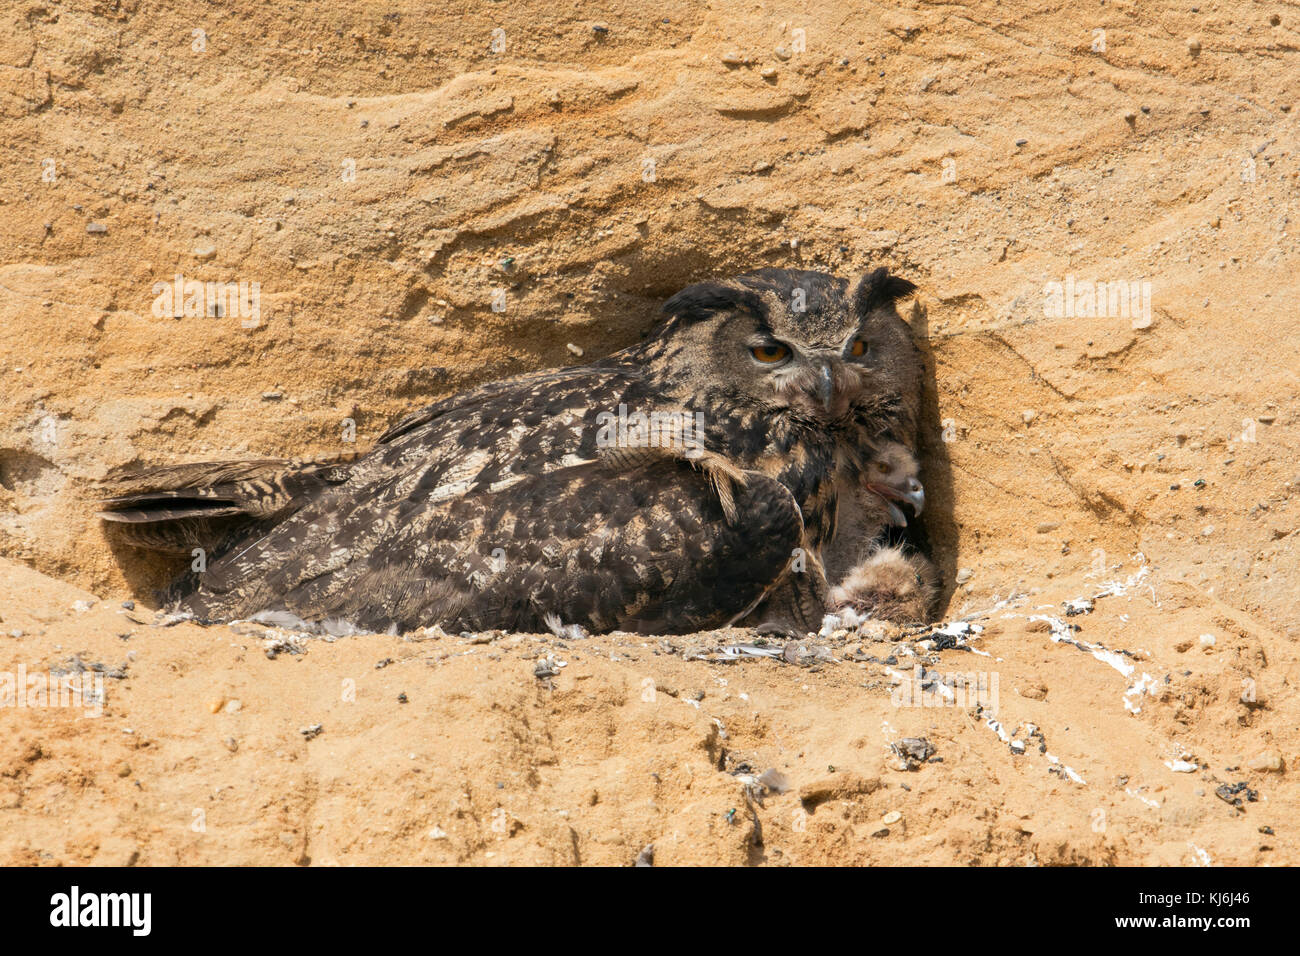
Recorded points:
(1193, 46)
(964, 575)
(890, 818)
(1267, 762)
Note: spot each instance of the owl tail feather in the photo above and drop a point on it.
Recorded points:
(179, 507)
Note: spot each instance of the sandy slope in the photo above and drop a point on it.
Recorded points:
(983, 150)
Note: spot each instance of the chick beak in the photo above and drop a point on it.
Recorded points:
(913, 493)
(896, 516)
(915, 496)
(826, 386)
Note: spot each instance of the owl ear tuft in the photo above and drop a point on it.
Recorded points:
(704, 298)
(878, 289)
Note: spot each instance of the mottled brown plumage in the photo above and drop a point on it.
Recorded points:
(547, 495)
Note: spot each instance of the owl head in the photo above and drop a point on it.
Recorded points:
(803, 344)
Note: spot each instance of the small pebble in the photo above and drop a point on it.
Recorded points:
(1193, 46)
(890, 818)
(1267, 762)
(96, 228)
(964, 575)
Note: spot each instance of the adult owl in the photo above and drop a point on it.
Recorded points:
(684, 483)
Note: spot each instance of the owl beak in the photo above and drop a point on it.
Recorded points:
(826, 386)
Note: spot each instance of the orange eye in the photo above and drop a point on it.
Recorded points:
(882, 467)
(770, 353)
(858, 348)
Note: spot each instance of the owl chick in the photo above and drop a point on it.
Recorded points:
(870, 575)
(891, 583)
(871, 508)
(670, 487)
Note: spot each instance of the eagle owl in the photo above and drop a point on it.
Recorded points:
(687, 482)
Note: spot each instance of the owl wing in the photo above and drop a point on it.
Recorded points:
(501, 507)
(644, 546)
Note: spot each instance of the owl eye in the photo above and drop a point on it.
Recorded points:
(882, 467)
(859, 348)
(770, 354)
